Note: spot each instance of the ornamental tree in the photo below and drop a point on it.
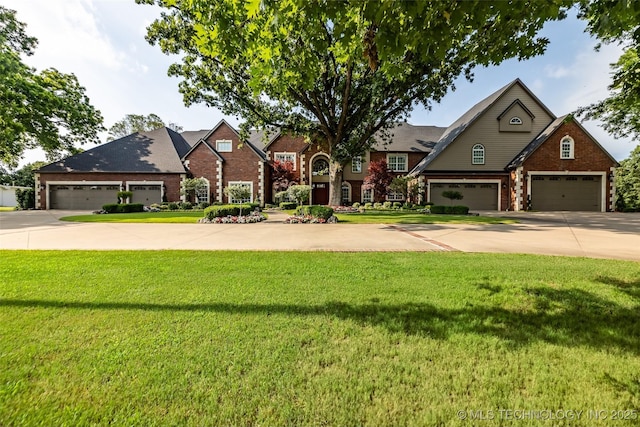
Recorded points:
(338, 72)
(378, 179)
(46, 109)
(282, 175)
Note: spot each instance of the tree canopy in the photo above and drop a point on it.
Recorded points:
(46, 109)
(339, 71)
(628, 182)
(132, 123)
(617, 21)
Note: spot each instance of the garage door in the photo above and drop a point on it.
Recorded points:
(82, 197)
(566, 193)
(476, 196)
(146, 194)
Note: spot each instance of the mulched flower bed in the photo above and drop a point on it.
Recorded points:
(252, 218)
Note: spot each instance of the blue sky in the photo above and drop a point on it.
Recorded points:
(102, 42)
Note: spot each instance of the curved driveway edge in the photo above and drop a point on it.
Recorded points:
(598, 235)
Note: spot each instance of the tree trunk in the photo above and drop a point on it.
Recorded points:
(335, 183)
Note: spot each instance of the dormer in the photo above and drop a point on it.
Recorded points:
(516, 118)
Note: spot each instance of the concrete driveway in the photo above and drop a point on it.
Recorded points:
(599, 235)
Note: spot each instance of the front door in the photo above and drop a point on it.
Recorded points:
(320, 194)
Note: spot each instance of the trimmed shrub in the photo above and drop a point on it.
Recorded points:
(217, 211)
(316, 211)
(203, 205)
(173, 206)
(368, 205)
(186, 206)
(397, 205)
(356, 205)
(288, 205)
(449, 210)
(123, 208)
(387, 205)
(377, 205)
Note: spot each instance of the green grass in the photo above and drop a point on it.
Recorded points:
(7, 209)
(268, 338)
(411, 217)
(187, 217)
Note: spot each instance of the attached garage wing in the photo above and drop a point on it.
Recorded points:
(146, 194)
(82, 197)
(475, 195)
(566, 193)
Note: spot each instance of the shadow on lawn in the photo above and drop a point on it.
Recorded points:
(567, 317)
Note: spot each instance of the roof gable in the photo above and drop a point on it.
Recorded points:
(513, 104)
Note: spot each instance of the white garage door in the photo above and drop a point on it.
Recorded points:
(566, 193)
(477, 196)
(82, 197)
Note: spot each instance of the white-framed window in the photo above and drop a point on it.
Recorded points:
(367, 195)
(395, 196)
(224, 145)
(566, 147)
(515, 120)
(356, 164)
(248, 184)
(346, 192)
(286, 157)
(477, 154)
(203, 191)
(397, 162)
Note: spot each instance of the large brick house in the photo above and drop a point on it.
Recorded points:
(508, 152)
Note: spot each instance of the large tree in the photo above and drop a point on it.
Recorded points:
(617, 21)
(628, 182)
(132, 123)
(46, 109)
(338, 71)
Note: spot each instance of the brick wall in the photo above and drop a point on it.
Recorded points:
(203, 163)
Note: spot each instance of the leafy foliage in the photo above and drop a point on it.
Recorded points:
(617, 21)
(132, 123)
(46, 109)
(628, 182)
(238, 192)
(338, 72)
(26, 198)
(300, 193)
(23, 177)
(282, 175)
(378, 179)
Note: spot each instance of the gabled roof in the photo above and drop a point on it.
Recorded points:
(407, 137)
(467, 119)
(193, 136)
(527, 151)
(155, 151)
(206, 144)
(516, 102)
(204, 137)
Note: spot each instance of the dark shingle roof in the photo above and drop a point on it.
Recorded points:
(193, 136)
(155, 151)
(407, 137)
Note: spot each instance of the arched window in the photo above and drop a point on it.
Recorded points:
(515, 120)
(566, 147)
(320, 167)
(477, 154)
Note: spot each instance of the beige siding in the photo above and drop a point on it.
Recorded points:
(516, 111)
(500, 147)
(347, 175)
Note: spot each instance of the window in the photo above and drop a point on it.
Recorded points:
(515, 120)
(367, 195)
(320, 167)
(566, 148)
(356, 164)
(286, 157)
(395, 196)
(477, 154)
(244, 184)
(223, 145)
(397, 162)
(346, 193)
(202, 191)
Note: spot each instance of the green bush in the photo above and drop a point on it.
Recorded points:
(449, 210)
(387, 205)
(356, 205)
(377, 205)
(368, 206)
(173, 206)
(123, 208)
(217, 211)
(26, 198)
(316, 211)
(186, 206)
(203, 205)
(288, 205)
(397, 205)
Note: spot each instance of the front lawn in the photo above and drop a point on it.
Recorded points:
(185, 217)
(272, 338)
(413, 217)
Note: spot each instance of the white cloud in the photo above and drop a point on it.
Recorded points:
(557, 72)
